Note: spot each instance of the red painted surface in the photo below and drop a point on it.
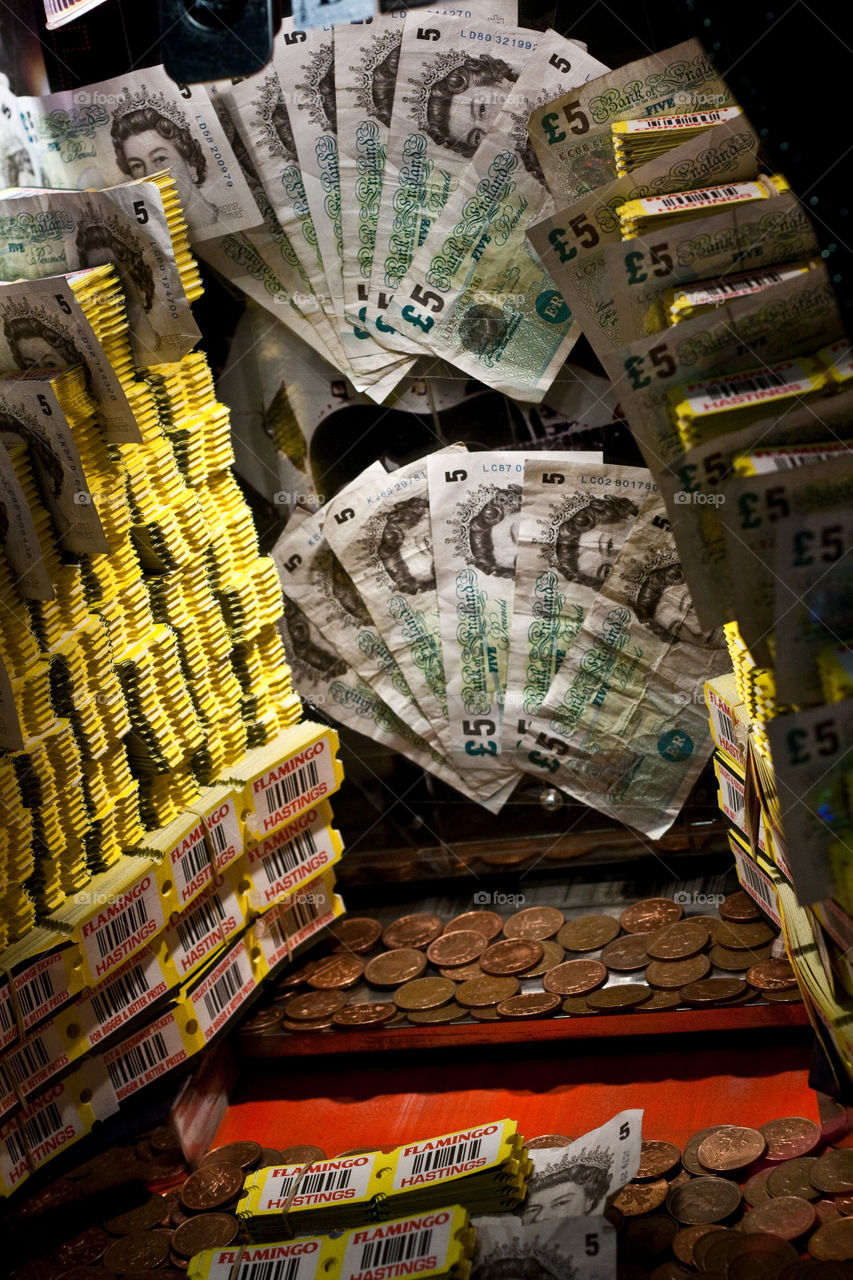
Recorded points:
(682, 1087)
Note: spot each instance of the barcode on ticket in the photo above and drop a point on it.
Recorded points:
(145, 1057)
(121, 998)
(447, 1157)
(758, 885)
(321, 1184)
(281, 794)
(122, 927)
(409, 1247)
(223, 991)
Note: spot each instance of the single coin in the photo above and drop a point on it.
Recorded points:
(212, 1187)
(625, 995)
(307, 1024)
(314, 1006)
(625, 955)
(739, 907)
(790, 1137)
(141, 1218)
(588, 933)
(712, 991)
(786, 1216)
(791, 996)
(703, 1200)
(711, 923)
(366, 1014)
(435, 1017)
(678, 941)
(485, 992)
(534, 922)
(552, 955)
(661, 1000)
(672, 975)
(269, 1156)
(657, 1160)
(833, 1172)
(650, 915)
(206, 1231)
(459, 947)
(844, 1203)
(690, 1156)
(488, 1013)
(833, 1242)
(686, 1239)
(754, 1244)
(577, 1006)
(530, 1004)
(826, 1211)
(760, 1264)
(547, 1140)
(713, 1254)
(731, 1147)
(246, 1154)
(743, 937)
(513, 955)
(417, 930)
(302, 1154)
(336, 972)
(263, 1020)
(648, 1236)
(641, 1197)
(424, 993)
(82, 1250)
(793, 1178)
(755, 1190)
(143, 1250)
(575, 977)
(462, 972)
(488, 923)
(393, 968)
(772, 975)
(355, 933)
(736, 961)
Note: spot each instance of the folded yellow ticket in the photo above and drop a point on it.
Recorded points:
(652, 212)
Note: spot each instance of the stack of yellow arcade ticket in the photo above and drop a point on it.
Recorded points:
(636, 142)
(702, 410)
(436, 1245)
(485, 1168)
(654, 213)
(700, 296)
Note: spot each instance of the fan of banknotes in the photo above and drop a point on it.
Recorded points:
(486, 614)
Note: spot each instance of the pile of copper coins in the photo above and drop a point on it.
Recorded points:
(771, 1203)
(536, 963)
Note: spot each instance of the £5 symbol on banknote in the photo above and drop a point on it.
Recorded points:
(583, 1248)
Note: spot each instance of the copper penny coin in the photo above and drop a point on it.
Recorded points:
(141, 1218)
(743, 937)
(760, 1262)
(264, 1020)
(790, 1137)
(485, 992)
(703, 1200)
(833, 1242)
(534, 922)
(355, 933)
(755, 1189)
(712, 1254)
(625, 955)
(314, 1006)
(212, 1187)
(641, 1197)
(81, 1250)
(336, 972)
(833, 1172)
(791, 996)
(269, 1156)
(488, 923)
(301, 1154)
(393, 968)
(424, 993)
(513, 955)
(650, 915)
(140, 1251)
(417, 930)
(680, 1178)
(461, 972)
(657, 1159)
(552, 955)
(451, 1012)
(648, 1236)
(678, 941)
(736, 961)
(661, 1000)
(711, 991)
(689, 1155)
(577, 1006)
(686, 1239)
(826, 1211)
(459, 947)
(206, 1231)
(307, 1024)
(624, 995)
(530, 1004)
(785, 1216)
(793, 1178)
(246, 1154)
(772, 975)
(843, 1203)
(739, 907)
(547, 1140)
(588, 933)
(488, 1013)
(575, 977)
(731, 1147)
(365, 1014)
(672, 975)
